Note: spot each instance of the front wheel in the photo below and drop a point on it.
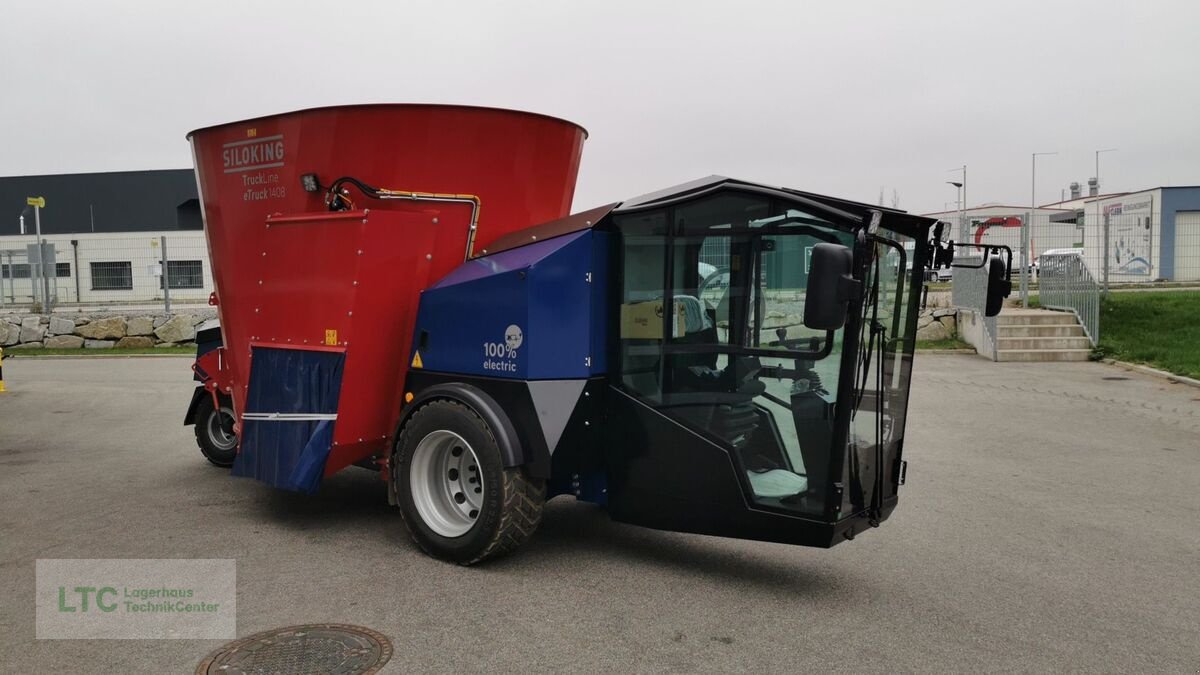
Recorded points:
(214, 431)
(459, 501)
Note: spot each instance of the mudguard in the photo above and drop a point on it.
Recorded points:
(190, 416)
(511, 450)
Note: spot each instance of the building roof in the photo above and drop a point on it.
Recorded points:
(1111, 195)
(988, 207)
(1081, 200)
(117, 201)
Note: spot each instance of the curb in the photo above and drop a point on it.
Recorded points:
(947, 351)
(1154, 372)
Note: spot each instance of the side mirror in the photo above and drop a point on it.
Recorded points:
(831, 285)
(998, 287)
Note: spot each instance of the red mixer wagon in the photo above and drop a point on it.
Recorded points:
(402, 287)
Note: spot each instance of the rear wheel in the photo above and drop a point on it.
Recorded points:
(457, 498)
(214, 431)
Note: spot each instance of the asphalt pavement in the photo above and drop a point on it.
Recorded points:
(1049, 522)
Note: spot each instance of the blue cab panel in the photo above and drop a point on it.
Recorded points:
(536, 312)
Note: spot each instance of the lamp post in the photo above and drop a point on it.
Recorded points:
(958, 201)
(1098, 165)
(962, 209)
(1025, 228)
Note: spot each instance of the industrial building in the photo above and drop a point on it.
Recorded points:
(1152, 234)
(108, 231)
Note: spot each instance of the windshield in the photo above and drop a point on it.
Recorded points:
(737, 365)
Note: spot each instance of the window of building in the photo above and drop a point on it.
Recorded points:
(15, 271)
(112, 276)
(62, 269)
(185, 274)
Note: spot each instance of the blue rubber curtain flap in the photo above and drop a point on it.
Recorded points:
(291, 407)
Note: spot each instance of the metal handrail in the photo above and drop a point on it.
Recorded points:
(1065, 283)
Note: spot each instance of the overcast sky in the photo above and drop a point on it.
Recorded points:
(841, 98)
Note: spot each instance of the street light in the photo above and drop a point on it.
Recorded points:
(1098, 166)
(958, 202)
(1025, 229)
(962, 209)
(1033, 179)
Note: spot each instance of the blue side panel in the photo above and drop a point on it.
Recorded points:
(527, 314)
(289, 454)
(560, 316)
(601, 250)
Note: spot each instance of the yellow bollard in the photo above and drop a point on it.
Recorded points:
(2, 389)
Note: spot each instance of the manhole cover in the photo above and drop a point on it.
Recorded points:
(1116, 378)
(314, 649)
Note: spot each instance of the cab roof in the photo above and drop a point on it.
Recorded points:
(819, 205)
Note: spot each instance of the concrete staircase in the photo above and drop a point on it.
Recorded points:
(1040, 335)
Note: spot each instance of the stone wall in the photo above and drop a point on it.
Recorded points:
(100, 330)
(939, 323)
(106, 331)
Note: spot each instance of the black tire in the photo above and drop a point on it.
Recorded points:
(511, 505)
(214, 440)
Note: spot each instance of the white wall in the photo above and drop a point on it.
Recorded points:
(141, 250)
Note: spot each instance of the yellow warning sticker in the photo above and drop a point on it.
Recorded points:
(331, 336)
(417, 360)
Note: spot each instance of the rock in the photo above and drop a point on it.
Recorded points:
(28, 345)
(32, 330)
(945, 311)
(104, 329)
(950, 323)
(166, 344)
(98, 344)
(138, 342)
(159, 320)
(79, 321)
(64, 342)
(60, 326)
(13, 319)
(179, 329)
(924, 320)
(933, 331)
(141, 325)
(9, 334)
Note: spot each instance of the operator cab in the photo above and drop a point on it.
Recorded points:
(717, 340)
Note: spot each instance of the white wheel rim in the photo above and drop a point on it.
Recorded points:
(220, 428)
(446, 483)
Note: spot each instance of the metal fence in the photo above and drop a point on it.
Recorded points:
(969, 292)
(1069, 259)
(1066, 283)
(104, 270)
(1118, 249)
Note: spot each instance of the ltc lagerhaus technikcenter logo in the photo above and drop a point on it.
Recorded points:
(136, 599)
